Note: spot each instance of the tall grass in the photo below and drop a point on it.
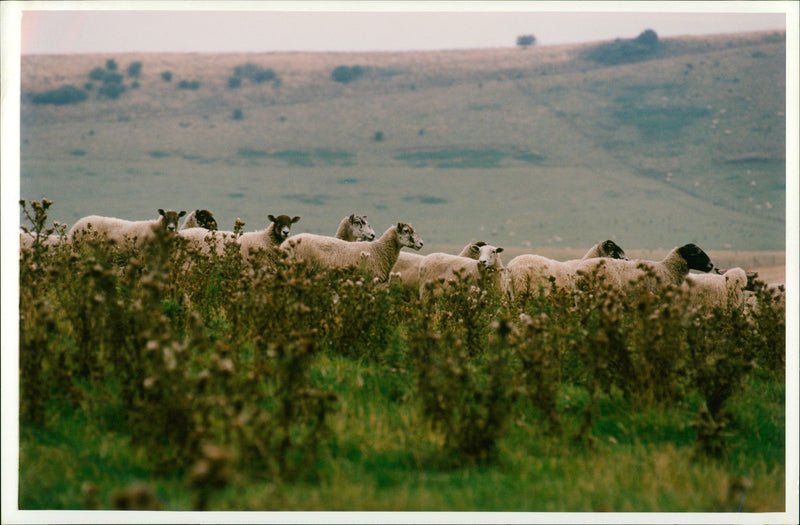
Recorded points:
(259, 384)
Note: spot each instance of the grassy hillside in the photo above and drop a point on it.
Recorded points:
(540, 147)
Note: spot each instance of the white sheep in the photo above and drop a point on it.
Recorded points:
(671, 270)
(267, 240)
(717, 290)
(28, 239)
(119, 230)
(376, 257)
(203, 239)
(530, 273)
(448, 269)
(355, 228)
(199, 219)
(406, 269)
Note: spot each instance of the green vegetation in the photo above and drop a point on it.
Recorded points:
(622, 51)
(60, 96)
(688, 145)
(212, 383)
(346, 74)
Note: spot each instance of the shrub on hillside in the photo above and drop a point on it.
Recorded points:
(526, 40)
(345, 74)
(135, 69)
(254, 73)
(61, 96)
(111, 90)
(622, 51)
(234, 82)
(111, 64)
(187, 84)
(97, 73)
(166, 76)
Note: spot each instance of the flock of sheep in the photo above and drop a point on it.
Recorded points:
(354, 245)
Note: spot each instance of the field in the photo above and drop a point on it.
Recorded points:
(535, 148)
(154, 377)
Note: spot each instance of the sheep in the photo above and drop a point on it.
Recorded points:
(671, 270)
(377, 257)
(204, 239)
(118, 230)
(199, 219)
(712, 290)
(529, 273)
(451, 268)
(270, 239)
(406, 269)
(355, 228)
(28, 239)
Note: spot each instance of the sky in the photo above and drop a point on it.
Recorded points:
(103, 27)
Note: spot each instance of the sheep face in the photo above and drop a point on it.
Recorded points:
(205, 219)
(406, 236)
(696, 258)
(282, 224)
(361, 228)
(612, 250)
(487, 255)
(169, 219)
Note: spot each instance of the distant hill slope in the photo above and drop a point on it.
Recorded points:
(522, 147)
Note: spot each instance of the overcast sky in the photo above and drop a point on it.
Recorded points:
(368, 26)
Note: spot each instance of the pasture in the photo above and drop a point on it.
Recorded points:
(156, 377)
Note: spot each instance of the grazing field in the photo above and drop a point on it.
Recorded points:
(540, 147)
(156, 377)
(153, 376)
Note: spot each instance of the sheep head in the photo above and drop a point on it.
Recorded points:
(361, 228)
(281, 225)
(406, 236)
(488, 256)
(696, 258)
(612, 250)
(169, 219)
(205, 219)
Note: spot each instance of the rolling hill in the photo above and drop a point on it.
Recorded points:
(526, 148)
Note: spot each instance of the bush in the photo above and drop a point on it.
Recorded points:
(62, 96)
(623, 51)
(111, 64)
(112, 78)
(254, 73)
(237, 114)
(97, 73)
(234, 82)
(166, 76)
(135, 69)
(111, 90)
(186, 84)
(526, 40)
(345, 74)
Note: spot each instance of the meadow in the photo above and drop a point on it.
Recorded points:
(534, 148)
(156, 377)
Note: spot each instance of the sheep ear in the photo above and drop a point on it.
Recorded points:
(295, 219)
(181, 214)
(500, 249)
(352, 217)
(161, 212)
(271, 218)
(474, 248)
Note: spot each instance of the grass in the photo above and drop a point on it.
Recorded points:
(563, 143)
(221, 386)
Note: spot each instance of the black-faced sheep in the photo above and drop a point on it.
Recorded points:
(671, 270)
(199, 219)
(355, 228)
(119, 230)
(530, 273)
(376, 257)
(446, 269)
